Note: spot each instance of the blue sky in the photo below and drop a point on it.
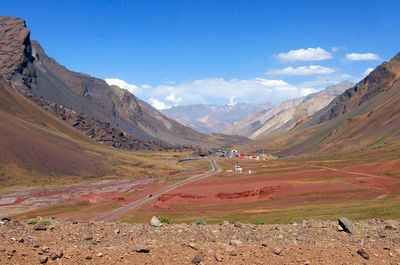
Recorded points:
(186, 52)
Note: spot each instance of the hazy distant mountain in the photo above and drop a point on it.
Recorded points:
(284, 117)
(211, 118)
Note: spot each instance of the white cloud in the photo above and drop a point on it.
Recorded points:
(302, 70)
(121, 84)
(368, 71)
(232, 101)
(220, 91)
(362, 56)
(158, 104)
(307, 91)
(310, 54)
(172, 97)
(230, 91)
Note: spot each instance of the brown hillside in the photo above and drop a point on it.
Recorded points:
(32, 138)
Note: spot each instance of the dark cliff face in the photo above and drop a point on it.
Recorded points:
(16, 61)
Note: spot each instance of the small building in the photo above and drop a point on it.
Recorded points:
(238, 169)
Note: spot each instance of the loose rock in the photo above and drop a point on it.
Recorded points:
(40, 227)
(234, 242)
(198, 258)
(43, 259)
(155, 222)
(346, 225)
(277, 251)
(6, 218)
(363, 254)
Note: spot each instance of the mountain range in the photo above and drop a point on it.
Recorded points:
(212, 118)
(282, 118)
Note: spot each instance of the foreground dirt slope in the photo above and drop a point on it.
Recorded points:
(306, 242)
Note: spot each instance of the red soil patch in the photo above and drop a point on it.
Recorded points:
(168, 196)
(260, 193)
(278, 190)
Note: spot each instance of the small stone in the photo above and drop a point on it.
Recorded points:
(99, 254)
(141, 249)
(6, 218)
(94, 242)
(363, 254)
(231, 251)
(155, 222)
(43, 259)
(218, 257)
(235, 242)
(225, 223)
(54, 256)
(2, 249)
(193, 245)
(36, 246)
(88, 237)
(264, 244)
(45, 249)
(346, 225)
(197, 258)
(40, 227)
(277, 251)
(88, 257)
(238, 225)
(390, 227)
(59, 253)
(117, 231)
(13, 239)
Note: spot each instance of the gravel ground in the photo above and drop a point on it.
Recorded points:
(307, 242)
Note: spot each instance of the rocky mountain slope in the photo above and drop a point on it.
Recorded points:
(284, 117)
(27, 67)
(40, 145)
(306, 242)
(211, 118)
(365, 116)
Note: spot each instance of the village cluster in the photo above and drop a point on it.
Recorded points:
(236, 154)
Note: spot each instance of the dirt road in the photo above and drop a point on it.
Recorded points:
(134, 204)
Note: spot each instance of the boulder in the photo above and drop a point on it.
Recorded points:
(346, 225)
(155, 222)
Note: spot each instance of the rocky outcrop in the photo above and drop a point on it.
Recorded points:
(16, 61)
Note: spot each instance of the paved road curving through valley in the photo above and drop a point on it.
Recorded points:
(134, 204)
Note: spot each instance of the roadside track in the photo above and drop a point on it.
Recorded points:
(134, 204)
